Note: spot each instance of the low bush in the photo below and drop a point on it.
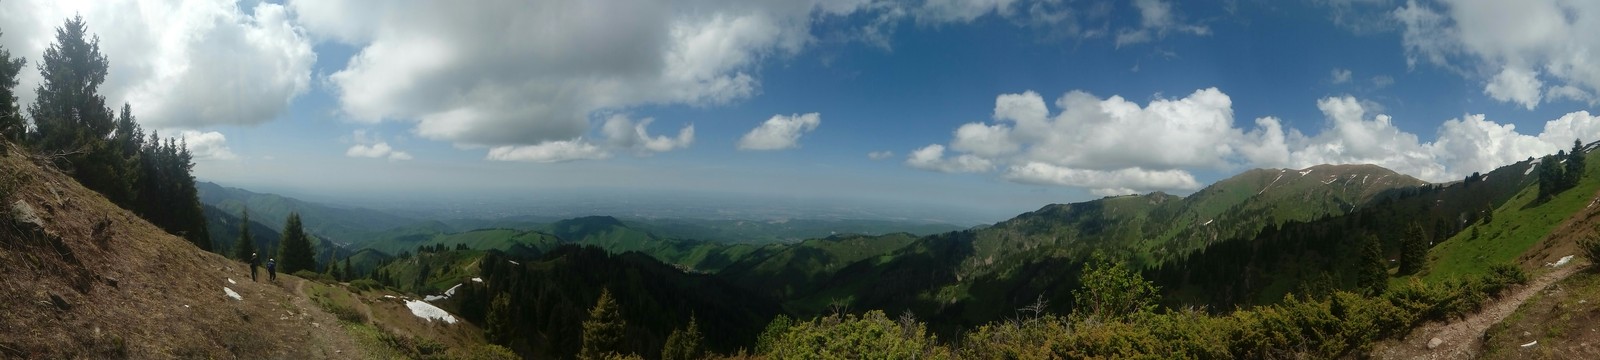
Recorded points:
(365, 284)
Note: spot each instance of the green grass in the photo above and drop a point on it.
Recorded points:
(1517, 226)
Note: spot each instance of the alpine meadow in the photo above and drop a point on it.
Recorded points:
(799, 179)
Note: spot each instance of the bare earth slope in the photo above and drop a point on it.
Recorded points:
(82, 278)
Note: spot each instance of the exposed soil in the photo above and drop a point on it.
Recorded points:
(1463, 338)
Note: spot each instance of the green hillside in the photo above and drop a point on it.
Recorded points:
(786, 270)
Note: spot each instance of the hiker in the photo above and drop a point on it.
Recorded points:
(253, 262)
(272, 270)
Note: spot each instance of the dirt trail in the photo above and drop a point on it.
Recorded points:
(1463, 338)
(321, 327)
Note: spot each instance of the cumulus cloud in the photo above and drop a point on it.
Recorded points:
(780, 132)
(880, 155)
(1112, 146)
(373, 146)
(183, 64)
(931, 157)
(1515, 47)
(550, 152)
(1340, 76)
(622, 132)
(1516, 85)
(207, 145)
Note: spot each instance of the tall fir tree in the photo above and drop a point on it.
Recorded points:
(12, 126)
(685, 344)
(1550, 177)
(1574, 171)
(71, 116)
(498, 327)
(602, 332)
(1373, 275)
(294, 251)
(246, 245)
(1413, 250)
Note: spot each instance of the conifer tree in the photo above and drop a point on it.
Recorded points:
(71, 116)
(684, 344)
(246, 244)
(1373, 275)
(12, 126)
(294, 251)
(498, 329)
(1574, 165)
(1413, 251)
(602, 332)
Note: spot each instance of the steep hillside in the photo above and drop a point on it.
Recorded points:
(83, 278)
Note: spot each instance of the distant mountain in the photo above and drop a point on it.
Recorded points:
(224, 229)
(345, 225)
(784, 270)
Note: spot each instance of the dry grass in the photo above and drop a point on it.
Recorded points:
(127, 289)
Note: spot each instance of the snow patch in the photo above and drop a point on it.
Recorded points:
(427, 311)
(1304, 172)
(231, 294)
(434, 298)
(1563, 261)
(1535, 342)
(513, 262)
(230, 281)
(477, 280)
(1208, 222)
(1269, 185)
(1531, 166)
(388, 296)
(452, 291)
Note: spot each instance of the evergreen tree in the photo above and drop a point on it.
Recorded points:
(498, 328)
(246, 244)
(294, 250)
(1574, 165)
(602, 332)
(71, 116)
(684, 344)
(1550, 177)
(1373, 275)
(12, 126)
(346, 275)
(1413, 251)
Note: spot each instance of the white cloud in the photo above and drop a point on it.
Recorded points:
(1516, 85)
(931, 157)
(1102, 183)
(516, 73)
(622, 132)
(1382, 81)
(550, 152)
(1156, 19)
(1509, 44)
(1341, 76)
(183, 64)
(880, 155)
(207, 145)
(780, 132)
(1112, 146)
(373, 146)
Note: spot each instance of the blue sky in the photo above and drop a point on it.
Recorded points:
(1001, 106)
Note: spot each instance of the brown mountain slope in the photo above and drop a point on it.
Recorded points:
(82, 278)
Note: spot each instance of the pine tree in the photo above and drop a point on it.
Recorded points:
(1550, 177)
(1413, 251)
(498, 328)
(71, 116)
(346, 275)
(246, 245)
(684, 344)
(1575, 164)
(12, 126)
(602, 332)
(1373, 275)
(295, 249)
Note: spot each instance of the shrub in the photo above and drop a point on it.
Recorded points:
(1590, 246)
(483, 352)
(318, 277)
(869, 336)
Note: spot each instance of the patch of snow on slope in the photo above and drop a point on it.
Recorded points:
(452, 291)
(1563, 261)
(232, 294)
(427, 311)
(1304, 172)
(477, 280)
(1531, 166)
(1208, 222)
(230, 281)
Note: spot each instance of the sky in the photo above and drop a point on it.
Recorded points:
(996, 105)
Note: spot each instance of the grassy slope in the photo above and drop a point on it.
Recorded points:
(1563, 321)
(1518, 224)
(786, 270)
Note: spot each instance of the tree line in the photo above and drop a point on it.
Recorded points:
(70, 126)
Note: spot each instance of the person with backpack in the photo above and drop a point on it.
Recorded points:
(272, 270)
(254, 261)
